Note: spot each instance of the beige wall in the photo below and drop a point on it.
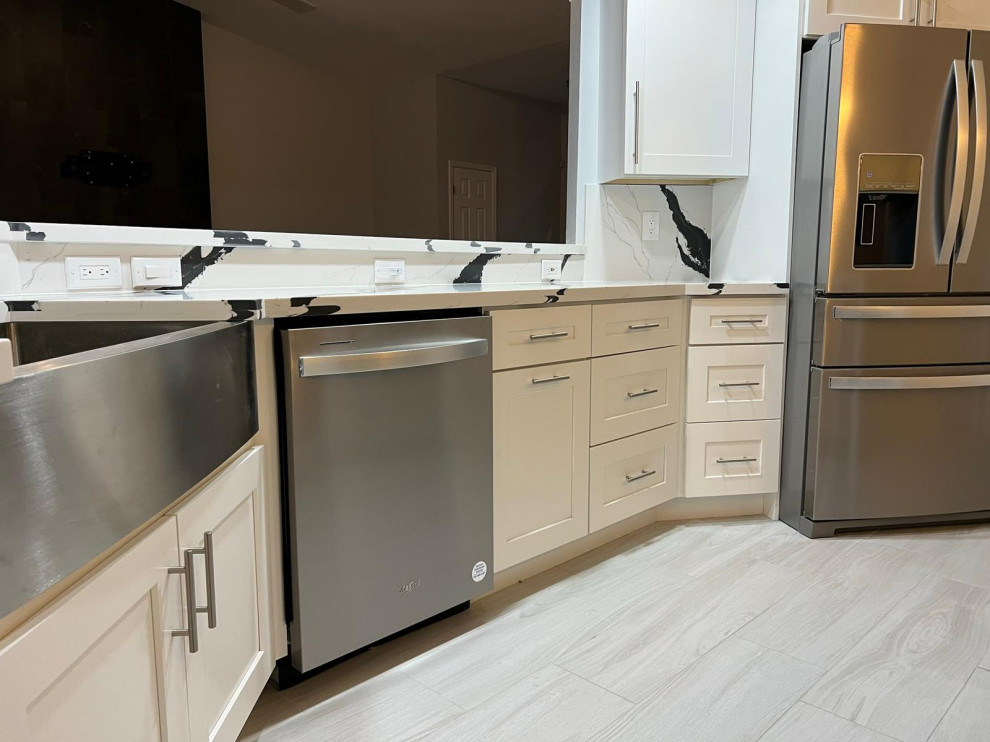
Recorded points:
(290, 147)
(521, 138)
(404, 156)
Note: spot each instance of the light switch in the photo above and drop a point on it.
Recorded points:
(156, 273)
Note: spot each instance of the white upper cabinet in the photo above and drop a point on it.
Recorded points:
(974, 14)
(825, 16)
(676, 89)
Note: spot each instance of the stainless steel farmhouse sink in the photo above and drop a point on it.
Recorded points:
(105, 425)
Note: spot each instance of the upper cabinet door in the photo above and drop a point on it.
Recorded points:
(825, 16)
(689, 82)
(233, 661)
(101, 663)
(972, 14)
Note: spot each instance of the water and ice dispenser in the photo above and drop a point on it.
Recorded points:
(887, 211)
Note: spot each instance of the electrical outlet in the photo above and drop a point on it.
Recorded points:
(390, 271)
(550, 269)
(651, 226)
(93, 273)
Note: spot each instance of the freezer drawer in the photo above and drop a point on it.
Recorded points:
(901, 332)
(898, 442)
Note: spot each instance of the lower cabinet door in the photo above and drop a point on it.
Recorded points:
(541, 419)
(736, 458)
(631, 475)
(100, 663)
(232, 662)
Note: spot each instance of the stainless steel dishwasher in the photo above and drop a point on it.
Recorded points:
(388, 432)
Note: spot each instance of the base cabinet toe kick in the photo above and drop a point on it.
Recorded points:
(603, 412)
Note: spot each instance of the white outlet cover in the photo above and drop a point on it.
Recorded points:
(156, 273)
(651, 226)
(390, 271)
(550, 269)
(108, 268)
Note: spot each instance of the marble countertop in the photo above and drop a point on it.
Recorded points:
(267, 303)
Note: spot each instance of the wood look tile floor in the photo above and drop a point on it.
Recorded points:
(722, 630)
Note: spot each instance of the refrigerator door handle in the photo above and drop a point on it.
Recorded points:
(961, 80)
(979, 161)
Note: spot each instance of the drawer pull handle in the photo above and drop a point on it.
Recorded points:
(743, 460)
(753, 322)
(549, 379)
(630, 478)
(645, 326)
(549, 335)
(633, 395)
(728, 384)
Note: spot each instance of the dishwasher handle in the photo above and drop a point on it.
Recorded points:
(394, 358)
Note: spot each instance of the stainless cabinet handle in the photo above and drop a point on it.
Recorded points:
(642, 475)
(188, 569)
(979, 160)
(211, 581)
(645, 326)
(191, 632)
(633, 395)
(549, 379)
(549, 335)
(741, 321)
(636, 124)
(728, 384)
(961, 80)
(743, 460)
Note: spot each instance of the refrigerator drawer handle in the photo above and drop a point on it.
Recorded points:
(979, 160)
(917, 312)
(386, 360)
(961, 80)
(862, 383)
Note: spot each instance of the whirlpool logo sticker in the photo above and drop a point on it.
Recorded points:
(410, 586)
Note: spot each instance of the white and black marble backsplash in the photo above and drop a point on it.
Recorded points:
(615, 249)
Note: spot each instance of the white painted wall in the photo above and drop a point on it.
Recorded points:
(751, 216)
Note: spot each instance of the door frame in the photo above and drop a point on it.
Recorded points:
(451, 164)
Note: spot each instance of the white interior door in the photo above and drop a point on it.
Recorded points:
(233, 662)
(472, 201)
(100, 664)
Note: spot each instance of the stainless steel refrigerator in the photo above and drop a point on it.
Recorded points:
(887, 403)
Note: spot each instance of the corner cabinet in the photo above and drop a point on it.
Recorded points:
(676, 89)
(826, 16)
(104, 662)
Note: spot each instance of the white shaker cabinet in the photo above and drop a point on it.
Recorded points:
(825, 16)
(100, 664)
(973, 14)
(542, 418)
(233, 661)
(676, 89)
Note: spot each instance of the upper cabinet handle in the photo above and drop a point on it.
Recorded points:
(549, 335)
(636, 105)
(645, 326)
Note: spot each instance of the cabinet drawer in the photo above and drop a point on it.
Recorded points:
(734, 382)
(743, 320)
(528, 337)
(634, 392)
(737, 458)
(633, 475)
(640, 325)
